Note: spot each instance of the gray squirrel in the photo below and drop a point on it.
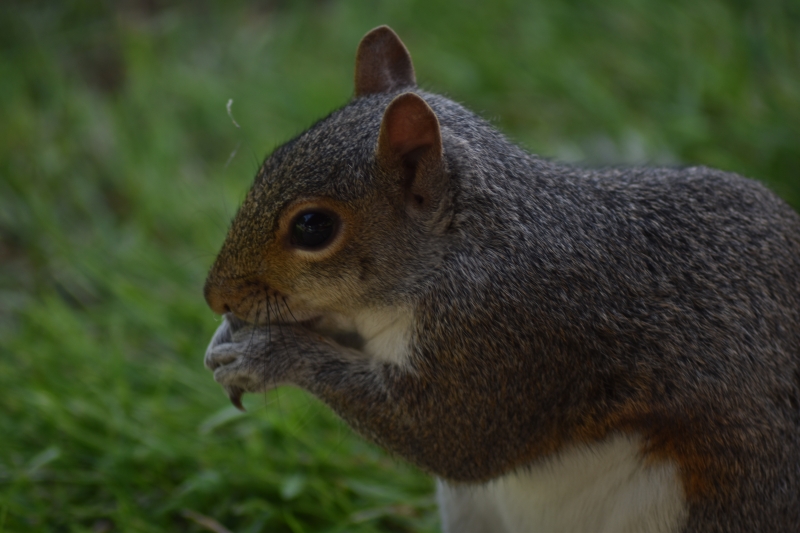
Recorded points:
(566, 349)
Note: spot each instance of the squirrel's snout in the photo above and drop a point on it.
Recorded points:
(215, 299)
(248, 300)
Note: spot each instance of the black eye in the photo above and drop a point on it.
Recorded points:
(312, 230)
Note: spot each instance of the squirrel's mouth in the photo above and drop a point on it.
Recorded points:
(274, 310)
(322, 324)
(336, 327)
(234, 323)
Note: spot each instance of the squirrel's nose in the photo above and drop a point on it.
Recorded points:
(215, 300)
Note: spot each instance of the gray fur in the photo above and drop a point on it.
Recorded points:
(552, 304)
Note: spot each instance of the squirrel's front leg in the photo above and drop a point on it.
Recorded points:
(400, 407)
(363, 391)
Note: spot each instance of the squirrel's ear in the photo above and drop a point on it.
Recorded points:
(382, 63)
(410, 140)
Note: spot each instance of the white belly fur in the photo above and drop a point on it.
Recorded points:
(602, 488)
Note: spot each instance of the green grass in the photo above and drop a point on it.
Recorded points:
(120, 169)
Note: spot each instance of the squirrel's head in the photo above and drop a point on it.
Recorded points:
(340, 219)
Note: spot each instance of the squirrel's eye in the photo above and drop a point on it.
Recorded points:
(312, 230)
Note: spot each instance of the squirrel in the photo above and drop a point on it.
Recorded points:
(564, 348)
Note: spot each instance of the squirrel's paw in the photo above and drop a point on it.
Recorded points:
(245, 358)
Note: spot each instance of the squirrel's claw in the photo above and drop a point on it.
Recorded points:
(235, 395)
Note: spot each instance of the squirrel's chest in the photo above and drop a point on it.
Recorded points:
(602, 488)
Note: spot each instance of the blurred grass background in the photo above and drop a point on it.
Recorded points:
(120, 169)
